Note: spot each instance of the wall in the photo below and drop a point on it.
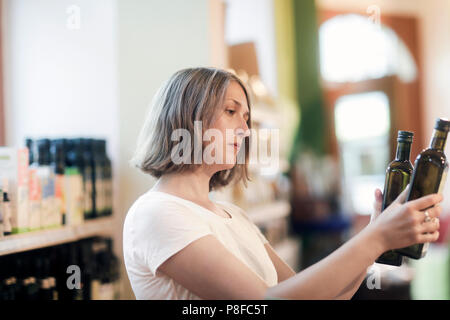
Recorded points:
(156, 38)
(253, 20)
(60, 81)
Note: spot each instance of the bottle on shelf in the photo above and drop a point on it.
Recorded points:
(29, 287)
(429, 176)
(34, 189)
(398, 176)
(100, 181)
(8, 280)
(89, 178)
(57, 163)
(73, 184)
(31, 151)
(2, 228)
(49, 213)
(14, 168)
(6, 208)
(107, 176)
(41, 274)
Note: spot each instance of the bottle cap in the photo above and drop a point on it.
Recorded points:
(405, 136)
(442, 124)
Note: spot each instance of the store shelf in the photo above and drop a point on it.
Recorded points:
(262, 214)
(45, 238)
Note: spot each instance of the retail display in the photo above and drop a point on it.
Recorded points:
(52, 183)
(82, 270)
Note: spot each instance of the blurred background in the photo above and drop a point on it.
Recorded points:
(337, 78)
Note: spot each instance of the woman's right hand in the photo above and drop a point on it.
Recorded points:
(403, 223)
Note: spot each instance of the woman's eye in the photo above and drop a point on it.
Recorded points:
(229, 111)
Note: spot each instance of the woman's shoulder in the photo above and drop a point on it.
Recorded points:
(153, 205)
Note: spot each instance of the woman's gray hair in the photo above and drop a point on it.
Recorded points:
(194, 94)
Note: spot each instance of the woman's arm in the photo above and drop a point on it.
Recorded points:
(348, 292)
(284, 271)
(330, 276)
(209, 270)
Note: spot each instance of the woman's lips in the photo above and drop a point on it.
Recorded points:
(235, 145)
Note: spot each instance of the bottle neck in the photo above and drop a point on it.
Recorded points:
(438, 140)
(403, 151)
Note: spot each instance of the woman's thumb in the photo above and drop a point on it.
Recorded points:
(402, 197)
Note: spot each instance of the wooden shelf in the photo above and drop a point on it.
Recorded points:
(46, 238)
(262, 214)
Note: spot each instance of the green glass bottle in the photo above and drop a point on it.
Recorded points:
(398, 175)
(429, 177)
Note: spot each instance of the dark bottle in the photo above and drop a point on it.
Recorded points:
(100, 181)
(77, 158)
(9, 286)
(57, 163)
(398, 175)
(30, 145)
(108, 180)
(89, 178)
(103, 179)
(429, 177)
(29, 287)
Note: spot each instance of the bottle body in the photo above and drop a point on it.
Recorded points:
(429, 177)
(398, 176)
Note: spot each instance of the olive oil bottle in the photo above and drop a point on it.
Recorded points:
(398, 175)
(429, 177)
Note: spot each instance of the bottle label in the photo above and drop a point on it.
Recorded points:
(99, 191)
(35, 196)
(59, 198)
(6, 212)
(108, 195)
(88, 192)
(74, 198)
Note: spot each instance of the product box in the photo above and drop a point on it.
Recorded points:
(34, 200)
(14, 168)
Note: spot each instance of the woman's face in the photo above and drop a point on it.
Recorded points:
(230, 127)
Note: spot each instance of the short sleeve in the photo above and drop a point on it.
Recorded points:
(163, 228)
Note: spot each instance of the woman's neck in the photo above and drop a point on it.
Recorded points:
(192, 186)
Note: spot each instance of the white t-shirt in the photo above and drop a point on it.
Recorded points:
(159, 224)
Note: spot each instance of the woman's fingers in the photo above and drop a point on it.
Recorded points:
(425, 202)
(428, 237)
(378, 201)
(434, 212)
(430, 226)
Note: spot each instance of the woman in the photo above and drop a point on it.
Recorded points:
(179, 244)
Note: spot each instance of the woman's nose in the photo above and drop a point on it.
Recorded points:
(243, 130)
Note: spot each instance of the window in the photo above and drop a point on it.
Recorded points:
(353, 48)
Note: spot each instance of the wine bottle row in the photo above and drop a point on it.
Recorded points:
(82, 270)
(427, 176)
(52, 183)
